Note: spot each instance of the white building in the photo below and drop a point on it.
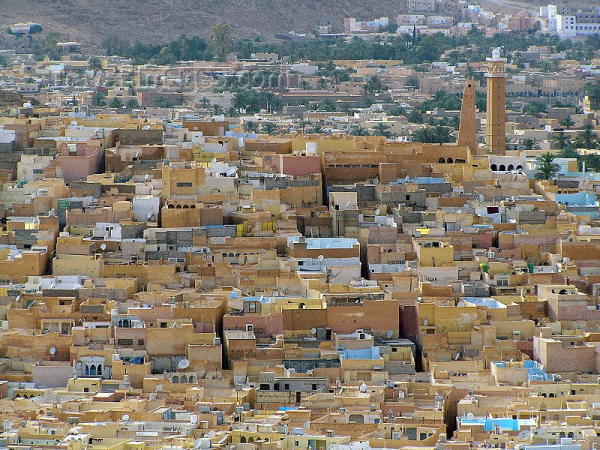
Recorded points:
(569, 23)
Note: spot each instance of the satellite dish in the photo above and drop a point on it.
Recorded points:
(197, 443)
(103, 247)
(183, 364)
(377, 211)
(320, 257)
(363, 387)
(524, 435)
(125, 417)
(211, 434)
(149, 215)
(313, 331)
(52, 350)
(212, 161)
(470, 416)
(389, 334)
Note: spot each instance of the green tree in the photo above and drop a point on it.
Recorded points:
(530, 144)
(116, 103)
(250, 127)
(304, 124)
(322, 83)
(50, 42)
(412, 81)
(205, 102)
(425, 134)
(357, 130)
(535, 109)
(269, 128)
(95, 64)
(115, 45)
(163, 102)
(561, 140)
(132, 103)
(415, 116)
(373, 85)
(232, 111)
(304, 85)
(567, 122)
(217, 109)
(443, 134)
(316, 129)
(98, 99)
(569, 152)
(221, 37)
(592, 89)
(382, 129)
(587, 138)
(326, 105)
(546, 167)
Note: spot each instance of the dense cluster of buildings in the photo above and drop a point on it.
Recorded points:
(175, 279)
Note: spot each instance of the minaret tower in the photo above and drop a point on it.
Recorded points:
(496, 112)
(466, 131)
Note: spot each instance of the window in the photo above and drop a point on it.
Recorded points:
(125, 341)
(163, 324)
(140, 342)
(184, 184)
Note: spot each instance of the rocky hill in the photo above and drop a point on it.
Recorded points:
(89, 21)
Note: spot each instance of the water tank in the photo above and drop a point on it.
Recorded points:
(297, 431)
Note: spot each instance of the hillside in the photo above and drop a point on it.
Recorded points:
(89, 21)
(163, 20)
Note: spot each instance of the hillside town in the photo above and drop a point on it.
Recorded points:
(255, 251)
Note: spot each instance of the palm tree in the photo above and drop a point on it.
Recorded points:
(217, 109)
(240, 99)
(381, 129)
(116, 103)
(250, 127)
(546, 169)
(535, 109)
(322, 83)
(163, 102)
(567, 122)
(132, 103)
(357, 130)
(98, 99)
(269, 128)
(95, 64)
(346, 108)
(205, 102)
(221, 36)
(232, 112)
(587, 138)
(561, 140)
(442, 134)
(304, 85)
(304, 123)
(316, 129)
(569, 152)
(425, 135)
(530, 144)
